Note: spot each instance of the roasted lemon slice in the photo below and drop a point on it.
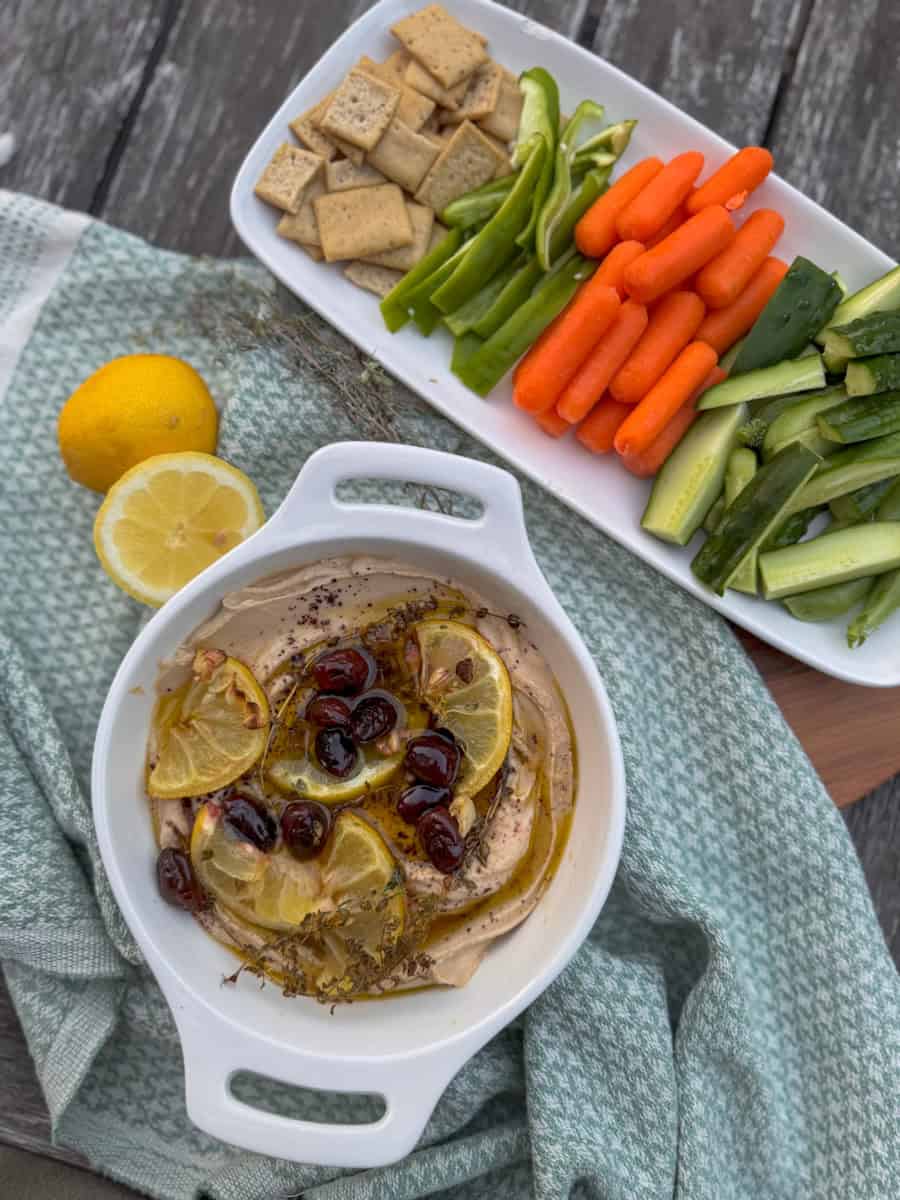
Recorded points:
(208, 732)
(352, 886)
(301, 777)
(168, 518)
(466, 685)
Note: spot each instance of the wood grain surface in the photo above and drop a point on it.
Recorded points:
(140, 111)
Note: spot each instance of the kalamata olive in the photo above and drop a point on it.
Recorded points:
(328, 710)
(416, 800)
(434, 758)
(336, 752)
(346, 672)
(372, 718)
(441, 839)
(249, 819)
(305, 826)
(176, 881)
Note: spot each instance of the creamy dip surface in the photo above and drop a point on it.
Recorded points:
(514, 828)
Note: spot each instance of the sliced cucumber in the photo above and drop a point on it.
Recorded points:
(883, 600)
(791, 530)
(840, 281)
(713, 518)
(794, 375)
(850, 469)
(889, 506)
(740, 470)
(881, 296)
(867, 376)
(835, 557)
(726, 362)
(862, 504)
(803, 302)
(800, 418)
(862, 418)
(692, 476)
(878, 333)
(824, 604)
(760, 508)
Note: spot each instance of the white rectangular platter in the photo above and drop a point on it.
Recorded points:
(594, 486)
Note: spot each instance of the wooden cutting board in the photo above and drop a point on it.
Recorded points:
(849, 732)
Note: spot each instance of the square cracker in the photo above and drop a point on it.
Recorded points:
(438, 233)
(343, 176)
(445, 48)
(379, 280)
(480, 97)
(306, 130)
(414, 109)
(417, 77)
(360, 110)
(403, 156)
(301, 227)
(363, 222)
(466, 162)
(504, 162)
(314, 252)
(315, 115)
(404, 259)
(503, 122)
(285, 180)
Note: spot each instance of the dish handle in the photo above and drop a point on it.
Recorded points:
(313, 499)
(214, 1052)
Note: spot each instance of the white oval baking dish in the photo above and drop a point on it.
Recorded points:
(405, 1049)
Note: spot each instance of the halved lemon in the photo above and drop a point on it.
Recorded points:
(301, 777)
(466, 684)
(352, 886)
(208, 732)
(171, 516)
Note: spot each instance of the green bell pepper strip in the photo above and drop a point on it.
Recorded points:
(464, 318)
(394, 307)
(515, 293)
(478, 205)
(505, 347)
(613, 140)
(419, 301)
(560, 193)
(591, 188)
(494, 245)
(540, 119)
(463, 349)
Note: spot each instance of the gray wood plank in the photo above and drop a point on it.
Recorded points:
(874, 825)
(68, 74)
(720, 62)
(835, 134)
(227, 66)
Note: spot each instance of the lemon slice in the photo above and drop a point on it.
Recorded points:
(352, 886)
(466, 684)
(168, 518)
(301, 777)
(208, 732)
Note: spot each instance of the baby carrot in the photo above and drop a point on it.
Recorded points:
(647, 420)
(663, 195)
(722, 327)
(724, 278)
(598, 431)
(673, 323)
(589, 381)
(649, 461)
(743, 172)
(552, 423)
(612, 270)
(596, 232)
(561, 349)
(678, 217)
(679, 255)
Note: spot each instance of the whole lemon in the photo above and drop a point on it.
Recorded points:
(131, 409)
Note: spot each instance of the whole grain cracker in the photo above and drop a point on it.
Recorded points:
(363, 222)
(302, 227)
(504, 162)
(414, 109)
(421, 219)
(343, 175)
(466, 162)
(403, 156)
(360, 110)
(306, 130)
(379, 280)
(503, 122)
(445, 48)
(417, 77)
(481, 95)
(438, 233)
(287, 176)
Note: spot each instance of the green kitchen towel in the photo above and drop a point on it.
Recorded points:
(731, 1028)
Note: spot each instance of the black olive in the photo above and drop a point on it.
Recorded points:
(372, 718)
(336, 752)
(249, 819)
(416, 800)
(434, 758)
(176, 881)
(328, 710)
(441, 839)
(305, 826)
(346, 672)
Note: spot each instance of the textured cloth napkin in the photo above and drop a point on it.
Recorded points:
(730, 1029)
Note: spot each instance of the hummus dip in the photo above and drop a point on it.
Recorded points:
(507, 836)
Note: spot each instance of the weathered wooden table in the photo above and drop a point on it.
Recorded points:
(139, 111)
